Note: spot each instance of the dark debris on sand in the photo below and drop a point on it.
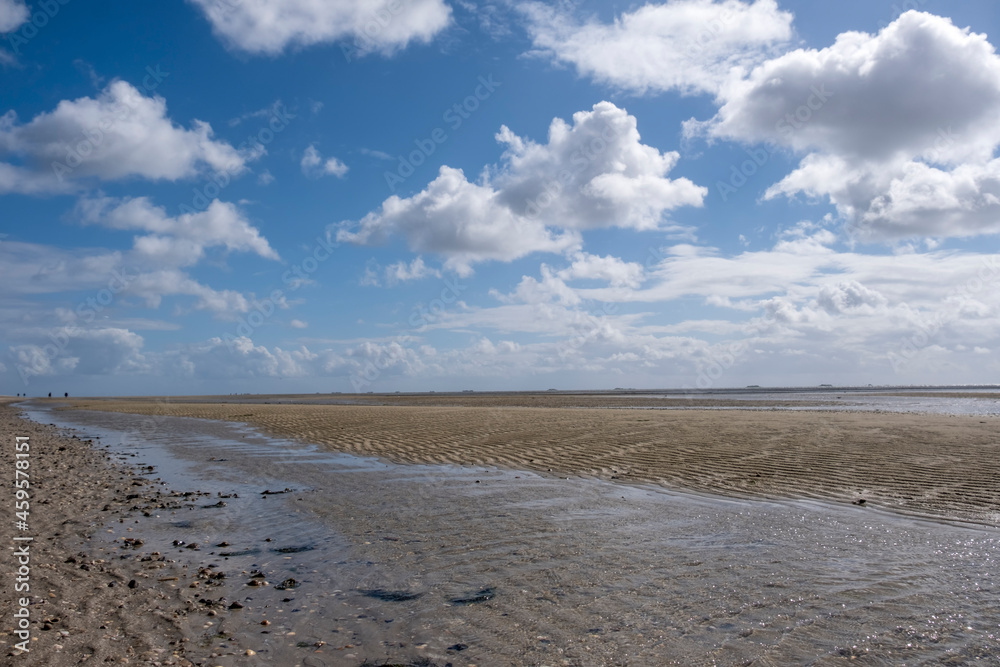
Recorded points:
(390, 596)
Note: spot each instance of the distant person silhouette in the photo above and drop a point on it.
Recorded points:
(66, 394)
(50, 394)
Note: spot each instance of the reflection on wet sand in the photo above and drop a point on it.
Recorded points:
(489, 566)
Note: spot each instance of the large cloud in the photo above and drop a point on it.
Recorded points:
(593, 173)
(879, 97)
(271, 26)
(685, 45)
(901, 127)
(119, 134)
(461, 220)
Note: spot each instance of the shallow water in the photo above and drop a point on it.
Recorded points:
(474, 566)
(897, 400)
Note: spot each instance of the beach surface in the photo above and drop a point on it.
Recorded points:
(505, 530)
(81, 605)
(944, 466)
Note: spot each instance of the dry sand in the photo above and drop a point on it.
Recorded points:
(934, 465)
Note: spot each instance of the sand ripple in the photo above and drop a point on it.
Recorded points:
(934, 465)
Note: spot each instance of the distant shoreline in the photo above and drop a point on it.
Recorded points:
(972, 391)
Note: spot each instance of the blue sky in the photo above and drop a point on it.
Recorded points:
(220, 196)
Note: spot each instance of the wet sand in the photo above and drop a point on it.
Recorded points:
(81, 604)
(931, 465)
(486, 564)
(479, 565)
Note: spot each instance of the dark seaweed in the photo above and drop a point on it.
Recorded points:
(293, 550)
(390, 596)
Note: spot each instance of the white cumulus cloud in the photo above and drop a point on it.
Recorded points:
(900, 128)
(591, 174)
(686, 45)
(271, 26)
(119, 134)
